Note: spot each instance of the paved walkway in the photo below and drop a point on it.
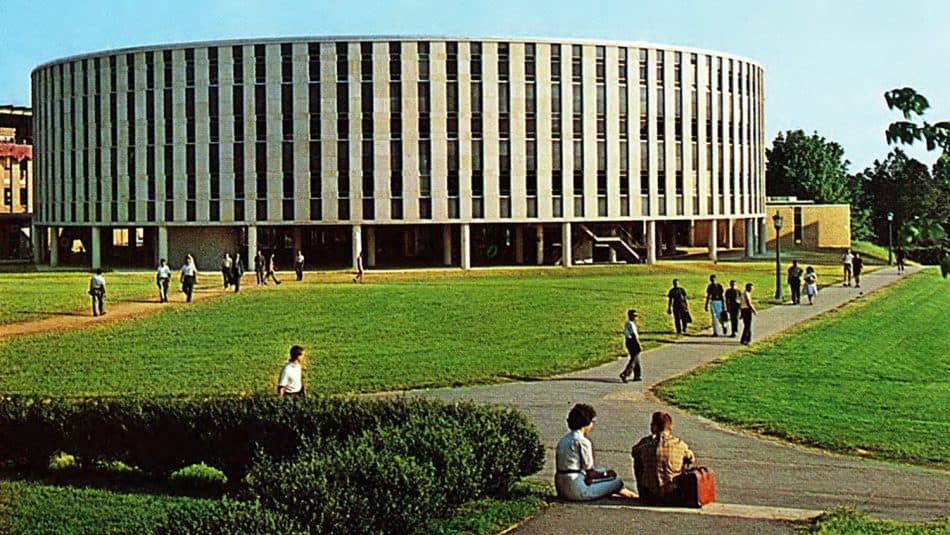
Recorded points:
(788, 481)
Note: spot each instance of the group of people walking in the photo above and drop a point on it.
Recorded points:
(724, 305)
(658, 460)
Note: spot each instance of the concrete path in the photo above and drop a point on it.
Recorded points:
(750, 471)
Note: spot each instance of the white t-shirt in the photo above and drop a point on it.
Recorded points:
(630, 330)
(290, 378)
(164, 272)
(846, 259)
(189, 270)
(97, 282)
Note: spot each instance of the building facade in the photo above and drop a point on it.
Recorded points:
(432, 151)
(808, 225)
(16, 174)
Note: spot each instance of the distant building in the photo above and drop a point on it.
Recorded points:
(809, 225)
(413, 151)
(16, 174)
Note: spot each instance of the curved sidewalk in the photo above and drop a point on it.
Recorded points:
(750, 471)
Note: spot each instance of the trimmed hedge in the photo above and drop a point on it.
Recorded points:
(163, 435)
(227, 516)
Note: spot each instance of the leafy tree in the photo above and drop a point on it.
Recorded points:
(910, 103)
(808, 167)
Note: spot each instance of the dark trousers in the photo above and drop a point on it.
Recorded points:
(796, 286)
(734, 319)
(260, 276)
(271, 275)
(163, 290)
(679, 318)
(746, 326)
(97, 300)
(236, 281)
(226, 273)
(188, 286)
(633, 366)
(298, 267)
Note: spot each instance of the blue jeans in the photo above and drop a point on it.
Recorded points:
(715, 308)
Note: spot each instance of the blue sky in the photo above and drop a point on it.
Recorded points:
(827, 63)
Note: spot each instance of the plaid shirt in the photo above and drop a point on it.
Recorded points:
(657, 459)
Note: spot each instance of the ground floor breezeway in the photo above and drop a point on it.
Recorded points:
(463, 245)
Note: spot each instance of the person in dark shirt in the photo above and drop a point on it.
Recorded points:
(733, 300)
(899, 253)
(714, 304)
(795, 282)
(857, 265)
(678, 307)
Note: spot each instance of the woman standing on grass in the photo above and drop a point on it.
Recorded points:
(811, 284)
(290, 383)
(189, 277)
(577, 479)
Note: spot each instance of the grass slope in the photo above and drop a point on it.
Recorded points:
(401, 330)
(872, 379)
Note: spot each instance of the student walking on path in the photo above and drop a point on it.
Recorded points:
(857, 266)
(271, 270)
(899, 254)
(811, 284)
(733, 302)
(631, 339)
(795, 282)
(189, 277)
(298, 265)
(226, 264)
(358, 277)
(162, 278)
(237, 271)
(715, 297)
(846, 266)
(678, 307)
(747, 311)
(97, 289)
(259, 262)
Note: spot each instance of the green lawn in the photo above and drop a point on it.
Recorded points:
(400, 330)
(29, 296)
(872, 379)
(846, 521)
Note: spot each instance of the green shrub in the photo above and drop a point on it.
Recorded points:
(227, 516)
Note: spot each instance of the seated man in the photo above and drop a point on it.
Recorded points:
(658, 459)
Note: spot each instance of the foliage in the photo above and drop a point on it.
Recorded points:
(808, 167)
(846, 521)
(405, 330)
(226, 516)
(491, 515)
(911, 103)
(877, 361)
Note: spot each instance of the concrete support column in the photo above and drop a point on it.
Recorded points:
(357, 243)
(466, 246)
(730, 238)
(540, 241)
(36, 242)
(749, 238)
(762, 235)
(519, 245)
(567, 248)
(714, 240)
(95, 247)
(447, 245)
(297, 240)
(53, 246)
(406, 243)
(613, 252)
(251, 244)
(692, 233)
(162, 246)
(370, 246)
(651, 242)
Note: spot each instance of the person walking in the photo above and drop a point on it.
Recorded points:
(715, 297)
(237, 271)
(846, 266)
(747, 310)
(298, 265)
(733, 303)
(97, 289)
(811, 284)
(795, 282)
(290, 383)
(226, 264)
(259, 262)
(857, 266)
(678, 307)
(358, 277)
(631, 339)
(272, 270)
(189, 277)
(162, 278)
(899, 254)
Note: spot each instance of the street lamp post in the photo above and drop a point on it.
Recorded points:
(777, 222)
(890, 237)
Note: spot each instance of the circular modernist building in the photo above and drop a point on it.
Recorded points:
(407, 151)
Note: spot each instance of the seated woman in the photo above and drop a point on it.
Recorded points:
(577, 479)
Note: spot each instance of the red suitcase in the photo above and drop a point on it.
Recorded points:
(696, 486)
